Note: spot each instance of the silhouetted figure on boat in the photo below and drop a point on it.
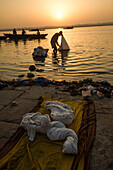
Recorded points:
(38, 32)
(23, 32)
(54, 41)
(14, 32)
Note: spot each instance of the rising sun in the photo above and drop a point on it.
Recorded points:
(59, 15)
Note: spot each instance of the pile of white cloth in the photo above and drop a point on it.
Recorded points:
(58, 131)
(35, 122)
(40, 52)
(55, 130)
(60, 111)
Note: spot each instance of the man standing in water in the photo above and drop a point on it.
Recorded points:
(54, 41)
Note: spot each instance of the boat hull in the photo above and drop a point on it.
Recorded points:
(3, 37)
(26, 36)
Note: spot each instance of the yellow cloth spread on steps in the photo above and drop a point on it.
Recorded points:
(43, 154)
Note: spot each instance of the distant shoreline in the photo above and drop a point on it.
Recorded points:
(54, 27)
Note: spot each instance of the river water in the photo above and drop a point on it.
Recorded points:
(90, 56)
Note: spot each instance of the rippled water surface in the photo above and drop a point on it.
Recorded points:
(90, 56)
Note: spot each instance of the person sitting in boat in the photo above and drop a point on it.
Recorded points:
(38, 32)
(14, 31)
(54, 41)
(23, 32)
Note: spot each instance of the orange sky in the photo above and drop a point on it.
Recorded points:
(37, 13)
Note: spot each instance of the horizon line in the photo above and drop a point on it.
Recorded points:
(66, 26)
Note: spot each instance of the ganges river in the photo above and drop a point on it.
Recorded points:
(90, 56)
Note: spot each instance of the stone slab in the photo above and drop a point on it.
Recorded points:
(1, 107)
(36, 91)
(14, 113)
(7, 130)
(103, 105)
(102, 151)
(22, 88)
(6, 96)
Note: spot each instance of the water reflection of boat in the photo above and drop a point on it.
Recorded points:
(26, 36)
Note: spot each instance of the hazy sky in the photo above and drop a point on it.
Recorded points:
(34, 13)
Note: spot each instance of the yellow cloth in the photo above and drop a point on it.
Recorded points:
(42, 153)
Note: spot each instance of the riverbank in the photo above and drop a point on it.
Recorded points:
(18, 98)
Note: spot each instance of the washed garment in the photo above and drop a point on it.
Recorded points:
(60, 111)
(35, 122)
(64, 45)
(56, 130)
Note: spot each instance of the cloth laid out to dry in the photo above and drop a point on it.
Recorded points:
(60, 111)
(55, 130)
(20, 153)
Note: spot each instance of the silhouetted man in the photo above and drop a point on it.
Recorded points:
(14, 31)
(23, 32)
(54, 41)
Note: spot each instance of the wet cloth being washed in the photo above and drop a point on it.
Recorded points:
(20, 153)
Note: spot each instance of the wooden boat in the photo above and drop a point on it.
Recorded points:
(68, 27)
(3, 37)
(26, 36)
